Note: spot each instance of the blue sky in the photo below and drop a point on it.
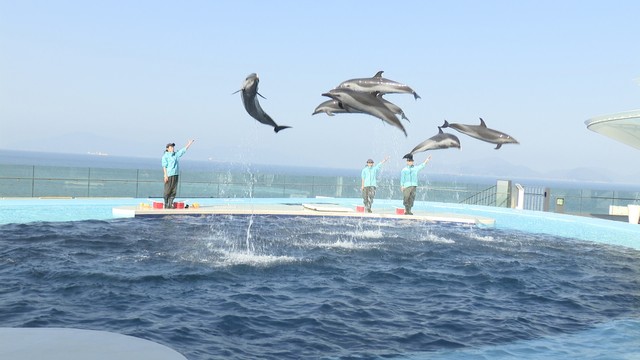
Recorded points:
(126, 77)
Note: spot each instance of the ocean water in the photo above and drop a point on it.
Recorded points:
(275, 287)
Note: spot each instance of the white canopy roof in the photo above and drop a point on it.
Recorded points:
(623, 127)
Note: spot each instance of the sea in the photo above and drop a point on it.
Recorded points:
(99, 160)
(293, 287)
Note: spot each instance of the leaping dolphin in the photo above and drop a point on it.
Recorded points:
(441, 140)
(250, 94)
(332, 107)
(368, 103)
(378, 84)
(482, 132)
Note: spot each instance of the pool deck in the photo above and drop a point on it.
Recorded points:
(300, 209)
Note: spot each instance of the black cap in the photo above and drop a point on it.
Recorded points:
(171, 144)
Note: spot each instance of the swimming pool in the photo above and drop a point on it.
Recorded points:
(579, 227)
(293, 287)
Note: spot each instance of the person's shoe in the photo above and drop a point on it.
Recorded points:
(368, 210)
(408, 212)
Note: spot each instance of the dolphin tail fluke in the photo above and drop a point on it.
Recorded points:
(416, 96)
(404, 116)
(445, 125)
(280, 127)
(408, 156)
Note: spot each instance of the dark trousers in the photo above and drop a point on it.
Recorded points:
(409, 195)
(170, 188)
(368, 193)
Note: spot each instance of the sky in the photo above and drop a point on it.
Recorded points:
(127, 77)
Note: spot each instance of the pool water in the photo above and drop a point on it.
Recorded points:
(287, 287)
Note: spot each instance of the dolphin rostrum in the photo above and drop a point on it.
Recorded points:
(332, 107)
(441, 140)
(368, 103)
(250, 94)
(482, 132)
(378, 84)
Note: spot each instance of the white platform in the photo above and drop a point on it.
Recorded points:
(306, 209)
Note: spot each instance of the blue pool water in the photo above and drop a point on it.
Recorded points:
(275, 287)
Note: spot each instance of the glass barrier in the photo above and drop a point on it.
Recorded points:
(52, 181)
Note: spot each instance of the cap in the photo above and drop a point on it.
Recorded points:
(409, 157)
(370, 161)
(171, 144)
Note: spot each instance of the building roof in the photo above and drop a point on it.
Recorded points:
(623, 127)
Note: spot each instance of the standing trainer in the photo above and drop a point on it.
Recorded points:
(409, 182)
(369, 182)
(171, 169)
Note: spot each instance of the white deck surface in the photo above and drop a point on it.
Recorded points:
(300, 209)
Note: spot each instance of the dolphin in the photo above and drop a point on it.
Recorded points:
(482, 132)
(355, 101)
(441, 140)
(250, 94)
(378, 84)
(393, 107)
(332, 107)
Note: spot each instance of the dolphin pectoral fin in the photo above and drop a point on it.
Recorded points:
(280, 127)
(499, 146)
(261, 95)
(235, 92)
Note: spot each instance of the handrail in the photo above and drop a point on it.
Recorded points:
(484, 197)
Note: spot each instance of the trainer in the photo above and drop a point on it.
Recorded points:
(171, 169)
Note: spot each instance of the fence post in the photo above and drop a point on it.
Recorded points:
(33, 181)
(520, 201)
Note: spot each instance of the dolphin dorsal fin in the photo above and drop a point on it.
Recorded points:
(482, 123)
(440, 130)
(378, 74)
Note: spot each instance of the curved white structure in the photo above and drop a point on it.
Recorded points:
(623, 127)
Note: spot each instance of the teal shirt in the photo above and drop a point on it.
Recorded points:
(369, 175)
(170, 161)
(409, 175)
